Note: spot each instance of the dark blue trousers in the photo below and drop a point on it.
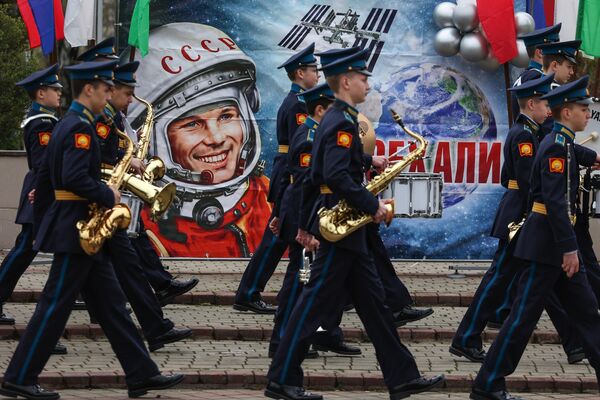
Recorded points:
(71, 274)
(396, 294)
(536, 283)
(131, 276)
(287, 298)
(494, 289)
(261, 267)
(155, 272)
(334, 271)
(16, 262)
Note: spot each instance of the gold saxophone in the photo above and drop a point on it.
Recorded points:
(157, 198)
(104, 222)
(155, 169)
(340, 221)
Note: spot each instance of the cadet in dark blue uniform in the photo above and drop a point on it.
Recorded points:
(535, 68)
(163, 283)
(302, 71)
(519, 150)
(397, 295)
(44, 90)
(67, 182)
(317, 100)
(548, 243)
(344, 266)
(157, 329)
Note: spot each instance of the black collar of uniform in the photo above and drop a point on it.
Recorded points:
(43, 109)
(535, 65)
(563, 130)
(110, 110)
(312, 125)
(352, 111)
(83, 111)
(296, 88)
(529, 122)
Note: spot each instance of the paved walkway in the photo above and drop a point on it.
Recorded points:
(120, 394)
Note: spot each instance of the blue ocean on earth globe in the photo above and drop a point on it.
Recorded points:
(439, 103)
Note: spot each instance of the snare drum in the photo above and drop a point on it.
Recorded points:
(135, 205)
(595, 187)
(416, 195)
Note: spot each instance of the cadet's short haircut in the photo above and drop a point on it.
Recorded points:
(531, 51)
(552, 57)
(311, 106)
(78, 85)
(33, 93)
(523, 102)
(292, 75)
(556, 111)
(334, 82)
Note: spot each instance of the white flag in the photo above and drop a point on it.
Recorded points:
(79, 22)
(566, 12)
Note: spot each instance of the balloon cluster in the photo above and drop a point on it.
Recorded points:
(461, 32)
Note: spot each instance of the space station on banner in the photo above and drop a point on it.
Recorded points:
(332, 26)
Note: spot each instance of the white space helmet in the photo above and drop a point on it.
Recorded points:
(190, 67)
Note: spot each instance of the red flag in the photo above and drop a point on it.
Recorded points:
(32, 30)
(59, 21)
(498, 20)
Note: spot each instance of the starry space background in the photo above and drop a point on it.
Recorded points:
(257, 26)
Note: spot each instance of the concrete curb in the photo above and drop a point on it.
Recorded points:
(314, 381)
(228, 298)
(258, 333)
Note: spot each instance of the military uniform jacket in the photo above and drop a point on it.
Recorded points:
(299, 156)
(519, 150)
(533, 71)
(72, 163)
(38, 125)
(338, 162)
(545, 238)
(110, 143)
(291, 114)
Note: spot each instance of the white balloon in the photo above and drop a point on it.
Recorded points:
(465, 17)
(447, 42)
(442, 14)
(490, 63)
(474, 47)
(524, 23)
(522, 59)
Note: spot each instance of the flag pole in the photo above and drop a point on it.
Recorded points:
(508, 96)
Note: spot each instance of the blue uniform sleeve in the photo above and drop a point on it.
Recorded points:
(77, 157)
(295, 117)
(585, 156)
(44, 194)
(522, 151)
(336, 171)
(554, 187)
(38, 135)
(308, 198)
(367, 161)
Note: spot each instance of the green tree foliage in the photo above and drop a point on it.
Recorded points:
(16, 62)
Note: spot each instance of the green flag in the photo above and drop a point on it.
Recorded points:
(588, 26)
(140, 26)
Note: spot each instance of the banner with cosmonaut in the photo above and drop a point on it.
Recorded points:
(212, 79)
